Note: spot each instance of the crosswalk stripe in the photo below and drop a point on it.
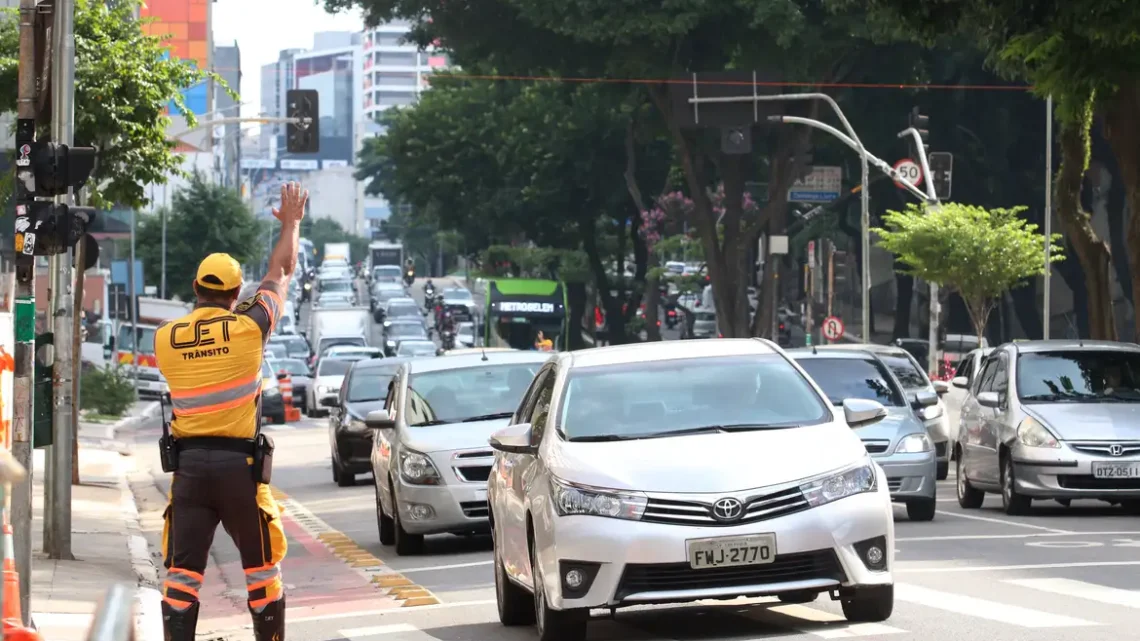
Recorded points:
(984, 609)
(826, 625)
(376, 630)
(1082, 590)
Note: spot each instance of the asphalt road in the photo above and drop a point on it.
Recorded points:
(1060, 574)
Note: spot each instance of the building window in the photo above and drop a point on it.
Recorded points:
(388, 39)
(395, 98)
(395, 58)
(396, 79)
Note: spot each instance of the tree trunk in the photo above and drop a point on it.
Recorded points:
(1092, 252)
(576, 297)
(1123, 133)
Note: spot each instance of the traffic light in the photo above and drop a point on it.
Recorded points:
(922, 123)
(941, 170)
(303, 137)
(44, 228)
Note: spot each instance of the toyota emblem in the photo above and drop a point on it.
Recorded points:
(727, 509)
(1116, 450)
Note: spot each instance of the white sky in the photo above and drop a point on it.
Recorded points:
(262, 28)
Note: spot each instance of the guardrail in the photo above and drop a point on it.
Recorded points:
(115, 617)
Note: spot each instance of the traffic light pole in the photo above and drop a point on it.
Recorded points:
(935, 304)
(25, 304)
(57, 487)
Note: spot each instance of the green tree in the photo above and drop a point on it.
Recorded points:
(124, 82)
(979, 254)
(204, 218)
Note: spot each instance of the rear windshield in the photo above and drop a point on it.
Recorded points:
(912, 378)
(336, 286)
(333, 367)
(844, 378)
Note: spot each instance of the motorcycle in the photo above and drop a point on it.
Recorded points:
(409, 277)
(671, 317)
(447, 338)
(429, 291)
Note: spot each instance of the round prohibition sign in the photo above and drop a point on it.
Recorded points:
(832, 328)
(910, 170)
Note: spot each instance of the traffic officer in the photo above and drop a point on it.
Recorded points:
(212, 360)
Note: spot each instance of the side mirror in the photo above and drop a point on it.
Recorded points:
(941, 387)
(989, 399)
(860, 412)
(514, 439)
(330, 401)
(379, 420)
(924, 399)
(961, 382)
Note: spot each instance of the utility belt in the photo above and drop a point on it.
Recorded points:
(260, 447)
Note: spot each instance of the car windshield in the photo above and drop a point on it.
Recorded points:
(368, 385)
(274, 350)
(416, 348)
(127, 339)
(403, 309)
(457, 295)
(1079, 375)
(336, 286)
(844, 378)
(293, 346)
(456, 395)
(406, 329)
(706, 317)
(333, 342)
(294, 366)
(334, 366)
(904, 369)
(663, 398)
(386, 271)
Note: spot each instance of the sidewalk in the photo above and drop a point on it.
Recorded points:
(106, 541)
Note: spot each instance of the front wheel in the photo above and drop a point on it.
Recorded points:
(554, 625)
(385, 527)
(943, 471)
(870, 604)
(969, 497)
(1012, 503)
(515, 604)
(921, 509)
(407, 544)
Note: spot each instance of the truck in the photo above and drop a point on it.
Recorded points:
(337, 326)
(385, 259)
(151, 312)
(337, 252)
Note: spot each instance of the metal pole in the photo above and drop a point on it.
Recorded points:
(25, 307)
(134, 299)
(77, 346)
(58, 501)
(162, 281)
(1048, 309)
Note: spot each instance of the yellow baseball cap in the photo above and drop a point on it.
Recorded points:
(220, 272)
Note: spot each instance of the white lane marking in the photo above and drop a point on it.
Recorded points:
(985, 609)
(1082, 590)
(984, 537)
(826, 625)
(356, 633)
(987, 519)
(453, 566)
(1008, 568)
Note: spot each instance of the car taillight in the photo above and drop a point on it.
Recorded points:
(781, 327)
(720, 335)
(672, 313)
(659, 323)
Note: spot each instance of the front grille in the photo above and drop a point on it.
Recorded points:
(1104, 448)
(474, 473)
(803, 566)
(894, 484)
(876, 447)
(759, 508)
(1089, 482)
(474, 509)
(476, 454)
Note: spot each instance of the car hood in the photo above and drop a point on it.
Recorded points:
(1089, 421)
(453, 436)
(708, 463)
(899, 422)
(329, 381)
(301, 380)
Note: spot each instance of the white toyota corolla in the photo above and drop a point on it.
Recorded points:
(680, 471)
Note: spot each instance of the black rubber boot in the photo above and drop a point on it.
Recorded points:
(269, 624)
(179, 625)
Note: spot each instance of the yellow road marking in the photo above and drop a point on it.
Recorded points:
(395, 585)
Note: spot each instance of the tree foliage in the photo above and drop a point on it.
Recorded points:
(980, 254)
(203, 218)
(124, 82)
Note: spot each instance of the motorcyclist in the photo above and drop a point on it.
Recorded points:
(429, 288)
(447, 329)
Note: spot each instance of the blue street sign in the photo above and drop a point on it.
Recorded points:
(813, 196)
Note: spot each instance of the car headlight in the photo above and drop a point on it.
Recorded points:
(417, 469)
(856, 480)
(1032, 433)
(570, 500)
(915, 443)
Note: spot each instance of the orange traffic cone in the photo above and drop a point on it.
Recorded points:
(12, 615)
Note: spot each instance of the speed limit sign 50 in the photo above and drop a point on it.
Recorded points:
(909, 170)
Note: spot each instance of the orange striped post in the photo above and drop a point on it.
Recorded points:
(291, 412)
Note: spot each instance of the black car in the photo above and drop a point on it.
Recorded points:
(364, 389)
(272, 404)
(295, 346)
(396, 331)
(301, 375)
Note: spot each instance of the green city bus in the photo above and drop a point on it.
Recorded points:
(516, 309)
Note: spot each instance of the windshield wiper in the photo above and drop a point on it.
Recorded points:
(600, 438)
(487, 417)
(429, 423)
